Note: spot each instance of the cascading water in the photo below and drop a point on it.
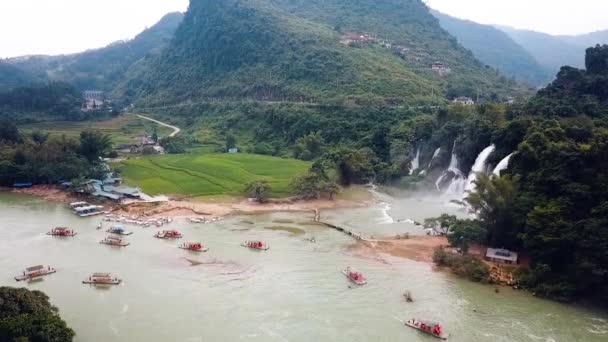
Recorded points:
(503, 165)
(458, 181)
(480, 166)
(415, 164)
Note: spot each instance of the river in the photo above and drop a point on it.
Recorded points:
(293, 292)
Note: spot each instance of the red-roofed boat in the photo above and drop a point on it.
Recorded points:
(168, 234)
(35, 272)
(431, 328)
(256, 245)
(102, 279)
(354, 276)
(194, 246)
(61, 231)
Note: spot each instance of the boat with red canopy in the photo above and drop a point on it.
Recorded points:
(431, 328)
(194, 246)
(61, 231)
(168, 234)
(256, 245)
(354, 276)
(35, 272)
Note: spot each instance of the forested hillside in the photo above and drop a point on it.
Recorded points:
(11, 77)
(278, 50)
(35, 102)
(496, 48)
(102, 68)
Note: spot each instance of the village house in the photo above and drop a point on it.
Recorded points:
(441, 68)
(93, 100)
(463, 100)
(502, 256)
(354, 38)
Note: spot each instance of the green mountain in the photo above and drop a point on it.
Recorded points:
(552, 52)
(101, 68)
(296, 50)
(495, 48)
(12, 77)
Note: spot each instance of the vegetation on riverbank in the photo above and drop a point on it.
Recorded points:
(29, 316)
(210, 174)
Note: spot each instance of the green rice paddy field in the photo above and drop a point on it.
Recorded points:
(197, 175)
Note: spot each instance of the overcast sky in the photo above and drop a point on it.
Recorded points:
(65, 26)
(549, 16)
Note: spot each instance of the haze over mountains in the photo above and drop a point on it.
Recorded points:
(527, 55)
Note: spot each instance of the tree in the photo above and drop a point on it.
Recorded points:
(94, 144)
(9, 132)
(465, 232)
(39, 137)
(259, 190)
(230, 141)
(441, 224)
(28, 316)
(313, 185)
(494, 203)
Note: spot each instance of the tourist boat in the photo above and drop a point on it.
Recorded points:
(256, 245)
(114, 241)
(354, 276)
(118, 230)
(35, 272)
(194, 246)
(102, 279)
(61, 231)
(431, 328)
(168, 234)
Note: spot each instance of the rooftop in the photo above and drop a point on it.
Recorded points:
(502, 254)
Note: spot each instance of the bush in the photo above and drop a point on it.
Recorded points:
(463, 265)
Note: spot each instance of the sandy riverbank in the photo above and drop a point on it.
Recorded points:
(419, 248)
(185, 208)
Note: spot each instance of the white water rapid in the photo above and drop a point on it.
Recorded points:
(480, 166)
(503, 164)
(415, 165)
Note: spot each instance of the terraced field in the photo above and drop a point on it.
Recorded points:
(209, 174)
(124, 129)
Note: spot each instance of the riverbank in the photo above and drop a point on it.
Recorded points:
(418, 248)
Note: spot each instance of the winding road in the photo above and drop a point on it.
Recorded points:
(176, 130)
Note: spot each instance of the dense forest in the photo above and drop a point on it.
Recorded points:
(295, 51)
(38, 158)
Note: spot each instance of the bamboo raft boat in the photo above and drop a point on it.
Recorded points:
(431, 328)
(168, 234)
(354, 276)
(194, 246)
(102, 279)
(35, 272)
(61, 231)
(256, 245)
(114, 241)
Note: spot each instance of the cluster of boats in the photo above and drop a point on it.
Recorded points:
(37, 272)
(138, 221)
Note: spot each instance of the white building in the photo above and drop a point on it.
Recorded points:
(463, 100)
(500, 255)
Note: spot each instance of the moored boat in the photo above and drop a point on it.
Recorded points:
(354, 276)
(61, 231)
(119, 230)
(35, 272)
(114, 241)
(256, 245)
(431, 328)
(102, 279)
(168, 234)
(194, 246)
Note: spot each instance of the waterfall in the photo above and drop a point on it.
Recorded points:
(503, 165)
(480, 166)
(458, 179)
(415, 164)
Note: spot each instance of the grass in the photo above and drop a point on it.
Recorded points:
(199, 175)
(124, 129)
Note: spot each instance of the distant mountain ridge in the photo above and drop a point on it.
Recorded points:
(99, 68)
(495, 48)
(294, 49)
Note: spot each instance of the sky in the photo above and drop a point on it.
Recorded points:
(65, 26)
(555, 17)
